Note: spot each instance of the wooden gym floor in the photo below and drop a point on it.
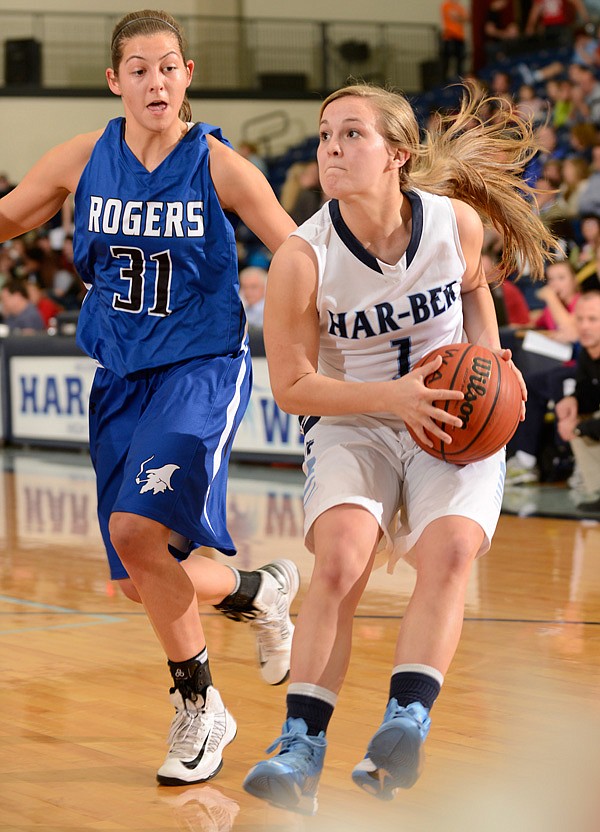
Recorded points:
(84, 712)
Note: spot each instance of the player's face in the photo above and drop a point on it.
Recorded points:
(354, 158)
(152, 79)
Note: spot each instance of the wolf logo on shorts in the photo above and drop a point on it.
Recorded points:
(157, 479)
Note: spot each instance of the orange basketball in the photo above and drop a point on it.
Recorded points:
(490, 410)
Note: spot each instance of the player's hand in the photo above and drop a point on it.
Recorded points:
(417, 405)
(506, 355)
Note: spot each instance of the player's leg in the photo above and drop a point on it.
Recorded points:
(262, 597)
(345, 540)
(426, 644)
(201, 721)
(202, 726)
(205, 403)
(450, 515)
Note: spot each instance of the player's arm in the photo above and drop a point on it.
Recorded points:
(43, 190)
(479, 314)
(292, 334)
(243, 190)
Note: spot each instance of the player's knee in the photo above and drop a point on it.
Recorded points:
(341, 571)
(128, 533)
(455, 559)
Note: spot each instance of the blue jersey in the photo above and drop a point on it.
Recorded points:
(158, 256)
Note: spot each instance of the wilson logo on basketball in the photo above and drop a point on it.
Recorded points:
(476, 387)
(489, 411)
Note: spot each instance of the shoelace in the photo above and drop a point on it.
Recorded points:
(421, 722)
(272, 630)
(187, 727)
(306, 745)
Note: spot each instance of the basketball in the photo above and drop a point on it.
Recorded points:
(490, 410)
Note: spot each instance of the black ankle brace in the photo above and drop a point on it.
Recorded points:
(239, 605)
(190, 678)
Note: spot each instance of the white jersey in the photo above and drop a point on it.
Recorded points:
(378, 320)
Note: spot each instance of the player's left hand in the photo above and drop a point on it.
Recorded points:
(506, 355)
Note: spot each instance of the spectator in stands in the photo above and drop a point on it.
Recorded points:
(249, 151)
(552, 173)
(583, 254)
(586, 48)
(34, 259)
(579, 414)
(589, 198)
(16, 254)
(552, 19)
(501, 32)
(544, 380)
(253, 285)
(511, 305)
(548, 149)
(586, 95)
(19, 313)
(310, 195)
(292, 185)
(454, 17)
(59, 226)
(518, 312)
(5, 184)
(541, 74)
(551, 207)
(555, 318)
(544, 388)
(5, 264)
(590, 269)
(559, 294)
(501, 83)
(582, 137)
(67, 289)
(38, 295)
(585, 53)
(530, 105)
(553, 388)
(558, 92)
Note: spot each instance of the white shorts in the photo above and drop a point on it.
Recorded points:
(365, 462)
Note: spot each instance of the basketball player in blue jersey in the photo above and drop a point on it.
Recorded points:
(387, 270)
(155, 197)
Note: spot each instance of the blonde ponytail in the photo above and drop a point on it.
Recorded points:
(476, 158)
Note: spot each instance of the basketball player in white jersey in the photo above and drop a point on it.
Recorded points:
(387, 270)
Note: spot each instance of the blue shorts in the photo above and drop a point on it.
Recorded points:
(160, 442)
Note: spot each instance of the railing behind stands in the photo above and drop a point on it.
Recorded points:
(59, 52)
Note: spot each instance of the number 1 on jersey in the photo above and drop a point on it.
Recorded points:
(403, 345)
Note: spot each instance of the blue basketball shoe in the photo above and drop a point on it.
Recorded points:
(395, 754)
(290, 779)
